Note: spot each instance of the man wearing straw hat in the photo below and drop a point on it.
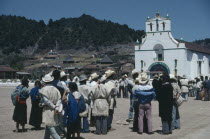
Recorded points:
(121, 87)
(50, 97)
(85, 90)
(131, 83)
(176, 95)
(93, 80)
(103, 97)
(184, 87)
(112, 90)
(145, 94)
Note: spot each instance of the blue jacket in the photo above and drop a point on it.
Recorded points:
(144, 94)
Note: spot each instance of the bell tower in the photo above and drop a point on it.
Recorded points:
(158, 24)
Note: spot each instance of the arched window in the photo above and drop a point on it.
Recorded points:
(164, 25)
(175, 63)
(157, 25)
(142, 64)
(150, 26)
(158, 48)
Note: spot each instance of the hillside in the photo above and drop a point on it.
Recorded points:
(18, 33)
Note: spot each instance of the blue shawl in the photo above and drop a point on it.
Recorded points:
(34, 94)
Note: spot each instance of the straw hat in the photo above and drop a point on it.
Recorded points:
(156, 76)
(62, 74)
(82, 77)
(172, 77)
(134, 72)
(50, 73)
(109, 73)
(184, 76)
(136, 80)
(143, 78)
(47, 78)
(103, 78)
(125, 75)
(93, 76)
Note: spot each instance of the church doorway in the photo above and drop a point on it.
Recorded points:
(158, 67)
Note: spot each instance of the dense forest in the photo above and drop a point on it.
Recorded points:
(17, 33)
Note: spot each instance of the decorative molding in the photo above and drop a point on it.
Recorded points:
(164, 49)
(158, 31)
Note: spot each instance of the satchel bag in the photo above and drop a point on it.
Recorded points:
(85, 113)
(179, 100)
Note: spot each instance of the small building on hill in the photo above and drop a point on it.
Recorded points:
(51, 55)
(20, 75)
(106, 60)
(6, 72)
(68, 60)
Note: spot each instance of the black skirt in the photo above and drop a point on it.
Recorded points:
(75, 127)
(36, 114)
(20, 113)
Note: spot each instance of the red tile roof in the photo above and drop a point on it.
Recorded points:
(4, 68)
(195, 47)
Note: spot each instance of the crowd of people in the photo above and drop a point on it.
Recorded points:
(69, 107)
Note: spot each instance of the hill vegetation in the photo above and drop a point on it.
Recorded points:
(18, 33)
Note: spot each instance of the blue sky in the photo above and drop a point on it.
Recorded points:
(190, 18)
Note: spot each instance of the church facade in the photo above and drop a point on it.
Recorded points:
(159, 52)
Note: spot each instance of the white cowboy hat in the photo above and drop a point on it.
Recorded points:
(103, 78)
(93, 76)
(47, 78)
(143, 78)
(62, 74)
(50, 73)
(125, 75)
(109, 73)
(82, 77)
(172, 77)
(136, 80)
(134, 72)
(184, 76)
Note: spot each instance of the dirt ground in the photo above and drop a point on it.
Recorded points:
(195, 121)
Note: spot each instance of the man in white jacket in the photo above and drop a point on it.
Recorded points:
(50, 97)
(85, 90)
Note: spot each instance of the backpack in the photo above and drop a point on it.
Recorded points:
(72, 111)
(15, 94)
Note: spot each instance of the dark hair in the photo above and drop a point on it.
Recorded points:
(165, 78)
(73, 87)
(56, 74)
(64, 78)
(38, 83)
(206, 78)
(201, 78)
(25, 82)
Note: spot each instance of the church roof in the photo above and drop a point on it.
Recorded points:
(106, 59)
(195, 47)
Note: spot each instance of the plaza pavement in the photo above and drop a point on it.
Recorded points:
(195, 121)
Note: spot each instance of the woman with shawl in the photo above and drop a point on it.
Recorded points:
(20, 112)
(36, 110)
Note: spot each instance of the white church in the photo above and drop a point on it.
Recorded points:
(159, 52)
